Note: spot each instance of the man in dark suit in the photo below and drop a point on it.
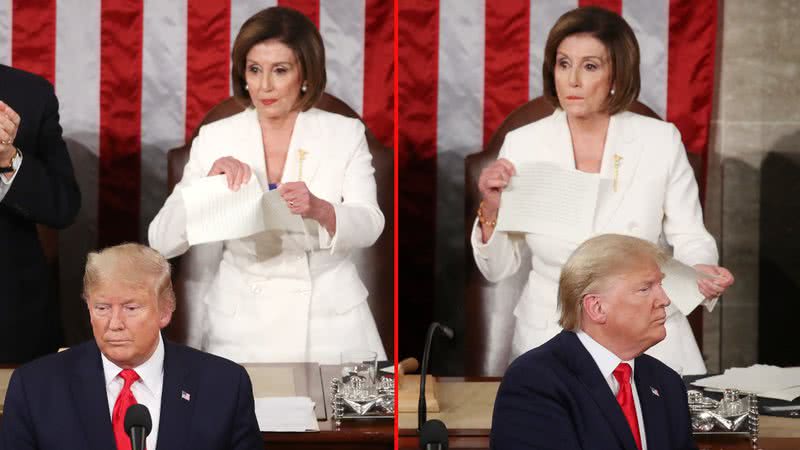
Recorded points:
(575, 391)
(37, 186)
(77, 399)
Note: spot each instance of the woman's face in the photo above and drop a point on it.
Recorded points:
(273, 79)
(582, 75)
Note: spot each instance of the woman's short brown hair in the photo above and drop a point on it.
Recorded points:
(294, 30)
(618, 38)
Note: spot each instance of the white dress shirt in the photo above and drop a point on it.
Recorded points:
(147, 389)
(607, 361)
(5, 180)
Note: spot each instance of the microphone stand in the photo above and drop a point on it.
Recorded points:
(422, 406)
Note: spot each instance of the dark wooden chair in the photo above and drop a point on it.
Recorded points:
(489, 306)
(375, 264)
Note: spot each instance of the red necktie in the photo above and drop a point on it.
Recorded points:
(625, 399)
(124, 400)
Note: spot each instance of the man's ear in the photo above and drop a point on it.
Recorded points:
(594, 308)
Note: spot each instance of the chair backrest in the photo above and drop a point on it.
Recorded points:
(375, 264)
(489, 306)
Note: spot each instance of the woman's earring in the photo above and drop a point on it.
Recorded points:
(246, 87)
(612, 91)
(304, 87)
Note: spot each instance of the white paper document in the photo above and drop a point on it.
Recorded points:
(547, 199)
(294, 414)
(680, 284)
(766, 381)
(216, 213)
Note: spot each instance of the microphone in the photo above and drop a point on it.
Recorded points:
(433, 435)
(138, 425)
(436, 440)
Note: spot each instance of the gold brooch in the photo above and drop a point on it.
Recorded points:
(617, 163)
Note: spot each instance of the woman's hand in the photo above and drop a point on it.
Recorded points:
(302, 202)
(9, 125)
(237, 172)
(715, 286)
(493, 180)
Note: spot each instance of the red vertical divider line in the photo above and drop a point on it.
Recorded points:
(308, 7)
(120, 121)
(505, 81)
(611, 5)
(418, 56)
(690, 74)
(395, 136)
(379, 69)
(33, 37)
(208, 50)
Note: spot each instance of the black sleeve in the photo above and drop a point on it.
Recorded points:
(16, 426)
(44, 190)
(246, 435)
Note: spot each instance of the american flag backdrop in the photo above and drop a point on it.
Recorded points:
(464, 65)
(134, 79)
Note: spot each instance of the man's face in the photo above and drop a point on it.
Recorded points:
(635, 306)
(126, 321)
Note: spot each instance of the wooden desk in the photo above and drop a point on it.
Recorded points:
(467, 405)
(355, 435)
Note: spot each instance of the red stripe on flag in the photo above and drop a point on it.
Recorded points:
(690, 72)
(33, 37)
(379, 68)
(505, 83)
(418, 49)
(308, 7)
(207, 59)
(611, 5)
(120, 121)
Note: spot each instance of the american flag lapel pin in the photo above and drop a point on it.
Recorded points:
(654, 391)
(185, 395)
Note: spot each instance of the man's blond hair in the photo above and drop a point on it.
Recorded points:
(592, 264)
(132, 265)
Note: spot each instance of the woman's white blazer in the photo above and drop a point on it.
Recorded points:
(280, 296)
(656, 198)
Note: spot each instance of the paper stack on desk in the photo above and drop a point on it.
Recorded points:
(782, 383)
(294, 414)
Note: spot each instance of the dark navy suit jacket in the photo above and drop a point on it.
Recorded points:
(554, 397)
(44, 192)
(59, 402)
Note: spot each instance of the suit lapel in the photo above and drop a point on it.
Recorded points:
(250, 146)
(178, 398)
(304, 146)
(585, 369)
(88, 389)
(560, 149)
(653, 412)
(621, 157)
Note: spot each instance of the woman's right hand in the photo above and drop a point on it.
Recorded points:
(237, 172)
(493, 180)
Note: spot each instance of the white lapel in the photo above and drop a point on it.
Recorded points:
(621, 156)
(304, 146)
(560, 150)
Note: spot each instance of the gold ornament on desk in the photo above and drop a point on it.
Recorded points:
(617, 163)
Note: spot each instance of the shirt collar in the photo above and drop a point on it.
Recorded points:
(606, 360)
(150, 372)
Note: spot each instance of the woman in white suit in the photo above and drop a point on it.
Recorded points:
(591, 76)
(277, 295)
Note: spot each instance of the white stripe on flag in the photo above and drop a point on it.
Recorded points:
(163, 99)
(459, 120)
(6, 17)
(341, 24)
(78, 90)
(650, 23)
(241, 10)
(544, 14)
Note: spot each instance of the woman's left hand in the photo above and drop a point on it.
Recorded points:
(713, 287)
(302, 202)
